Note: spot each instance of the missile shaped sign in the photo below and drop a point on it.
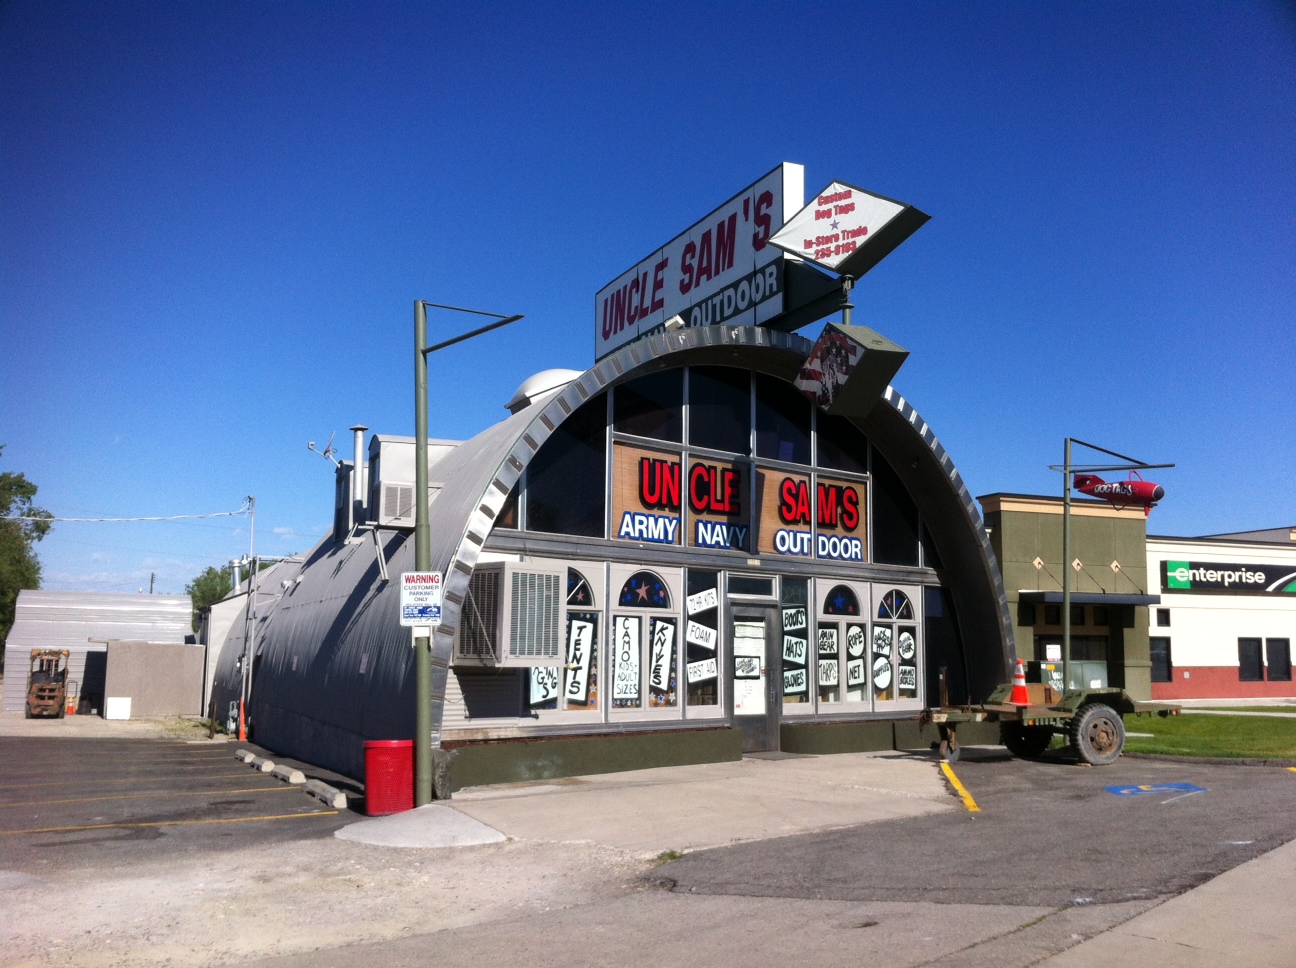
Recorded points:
(848, 230)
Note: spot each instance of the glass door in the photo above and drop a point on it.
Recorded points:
(757, 696)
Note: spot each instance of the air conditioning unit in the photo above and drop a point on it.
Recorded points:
(512, 615)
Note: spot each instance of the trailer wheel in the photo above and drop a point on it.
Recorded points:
(1097, 734)
(1025, 741)
(949, 749)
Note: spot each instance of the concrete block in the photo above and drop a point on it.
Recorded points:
(322, 791)
(288, 774)
(261, 763)
(247, 756)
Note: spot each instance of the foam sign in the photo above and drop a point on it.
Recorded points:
(722, 269)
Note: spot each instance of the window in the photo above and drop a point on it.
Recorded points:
(651, 406)
(1163, 618)
(751, 585)
(1052, 614)
(645, 647)
(1278, 659)
(720, 408)
(644, 590)
(1162, 667)
(1100, 615)
(576, 685)
(895, 517)
(1250, 663)
(701, 633)
(794, 608)
(841, 600)
(1077, 615)
(841, 445)
(566, 478)
(782, 421)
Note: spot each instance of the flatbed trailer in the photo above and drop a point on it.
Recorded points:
(1090, 719)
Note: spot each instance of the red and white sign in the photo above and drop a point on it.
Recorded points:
(839, 221)
(721, 270)
(420, 598)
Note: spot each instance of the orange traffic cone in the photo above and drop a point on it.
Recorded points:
(242, 733)
(1019, 696)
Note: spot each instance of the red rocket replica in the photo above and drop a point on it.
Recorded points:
(1134, 492)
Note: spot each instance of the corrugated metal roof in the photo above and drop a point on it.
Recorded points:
(69, 620)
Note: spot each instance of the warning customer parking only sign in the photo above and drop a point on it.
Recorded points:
(420, 598)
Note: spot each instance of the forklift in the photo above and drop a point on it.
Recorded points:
(47, 683)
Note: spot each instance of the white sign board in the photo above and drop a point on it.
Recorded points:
(420, 598)
(720, 270)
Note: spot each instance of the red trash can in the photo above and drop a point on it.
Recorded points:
(389, 776)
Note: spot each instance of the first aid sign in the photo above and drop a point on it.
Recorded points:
(420, 598)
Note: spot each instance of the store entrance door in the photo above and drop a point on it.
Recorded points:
(757, 698)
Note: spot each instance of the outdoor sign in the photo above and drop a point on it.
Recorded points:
(820, 519)
(420, 598)
(720, 270)
(848, 230)
(1227, 577)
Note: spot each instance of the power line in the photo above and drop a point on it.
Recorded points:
(174, 517)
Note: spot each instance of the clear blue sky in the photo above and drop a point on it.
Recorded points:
(215, 218)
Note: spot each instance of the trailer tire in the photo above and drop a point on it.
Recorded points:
(1098, 734)
(1027, 742)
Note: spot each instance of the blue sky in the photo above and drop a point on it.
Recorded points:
(215, 218)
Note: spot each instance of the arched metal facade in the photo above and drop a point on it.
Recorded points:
(335, 667)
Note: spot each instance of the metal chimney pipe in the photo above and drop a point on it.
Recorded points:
(234, 574)
(359, 477)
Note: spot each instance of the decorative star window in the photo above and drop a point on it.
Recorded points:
(579, 592)
(896, 605)
(644, 590)
(841, 601)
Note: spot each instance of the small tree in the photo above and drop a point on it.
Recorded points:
(19, 566)
(208, 588)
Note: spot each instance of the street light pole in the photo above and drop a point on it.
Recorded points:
(423, 767)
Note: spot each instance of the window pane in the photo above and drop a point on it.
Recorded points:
(829, 662)
(700, 637)
(1162, 669)
(895, 517)
(651, 406)
(857, 662)
(1163, 617)
(842, 446)
(841, 600)
(581, 688)
(663, 687)
(1278, 657)
(1250, 663)
(796, 640)
(748, 585)
(644, 590)
(565, 479)
(720, 408)
(782, 421)
(627, 644)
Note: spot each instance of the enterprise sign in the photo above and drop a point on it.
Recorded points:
(1231, 577)
(720, 270)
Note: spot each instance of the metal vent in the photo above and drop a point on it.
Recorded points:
(536, 603)
(479, 625)
(398, 501)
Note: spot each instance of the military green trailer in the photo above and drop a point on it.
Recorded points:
(1090, 719)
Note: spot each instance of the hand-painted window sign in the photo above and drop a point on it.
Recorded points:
(702, 601)
(1155, 789)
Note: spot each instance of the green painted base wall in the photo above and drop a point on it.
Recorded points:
(477, 764)
(823, 738)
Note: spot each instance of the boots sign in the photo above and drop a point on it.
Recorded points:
(720, 270)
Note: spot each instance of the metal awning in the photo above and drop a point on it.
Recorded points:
(1087, 598)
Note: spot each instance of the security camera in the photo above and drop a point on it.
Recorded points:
(674, 324)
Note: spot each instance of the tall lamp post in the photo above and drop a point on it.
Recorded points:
(423, 534)
(1068, 469)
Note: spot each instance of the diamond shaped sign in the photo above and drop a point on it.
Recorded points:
(848, 230)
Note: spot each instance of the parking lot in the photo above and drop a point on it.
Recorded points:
(84, 801)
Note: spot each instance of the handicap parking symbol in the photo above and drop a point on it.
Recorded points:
(1156, 789)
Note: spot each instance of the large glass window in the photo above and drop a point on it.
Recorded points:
(651, 406)
(796, 641)
(566, 478)
(574, 686)
(782, 421)
(895, 517)
(842, 445)
(1250, 661)
(720, 408)
(1162, 667)
(701, 634)
(645, 646)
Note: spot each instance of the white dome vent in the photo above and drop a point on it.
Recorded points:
(534, 387)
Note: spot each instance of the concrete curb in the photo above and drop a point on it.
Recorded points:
(246, 756)
(288, 775)
(331, 796)
(1213, 760)
(261, 763)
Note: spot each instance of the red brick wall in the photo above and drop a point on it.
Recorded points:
(1217, 682)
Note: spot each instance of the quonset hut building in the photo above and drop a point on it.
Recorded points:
(672, 557)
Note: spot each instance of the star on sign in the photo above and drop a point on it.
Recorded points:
(833, 223)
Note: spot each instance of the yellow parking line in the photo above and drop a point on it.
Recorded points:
(129, 779)
(960, 789)
(148, 796)
(170, 823)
